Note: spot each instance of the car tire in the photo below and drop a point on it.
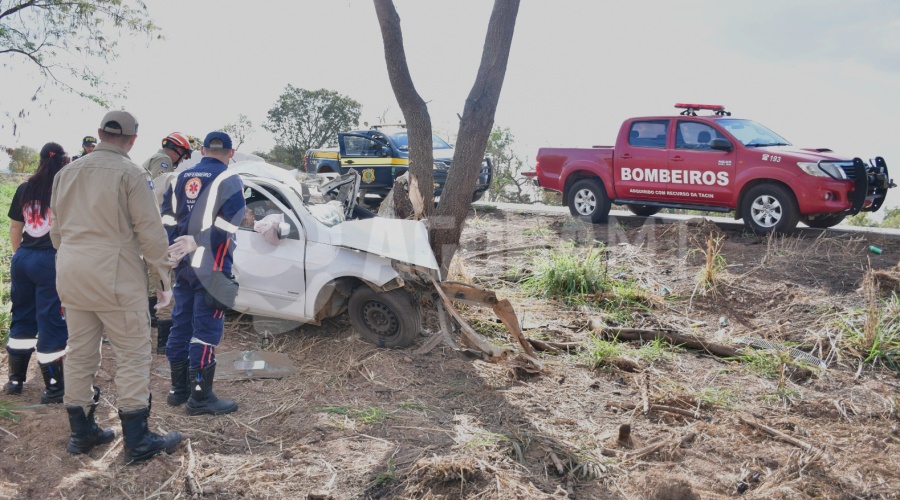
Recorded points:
(588, 201)
(643, 210)
(769, 208)
(824, 222)
(386, 319)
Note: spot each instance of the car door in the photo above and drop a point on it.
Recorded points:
(698, 174)
(640, 163)
(370, 158)
(271, 274)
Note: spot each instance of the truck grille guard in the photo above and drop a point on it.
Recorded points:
(870, 182)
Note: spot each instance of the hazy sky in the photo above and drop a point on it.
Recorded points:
(821, 73)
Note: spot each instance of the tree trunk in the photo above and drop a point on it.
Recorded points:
(445, 227)
(474, 130)
(415, 111)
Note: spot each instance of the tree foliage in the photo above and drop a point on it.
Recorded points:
(305, 119)
(58, 35)
(239, 131)
(23, 159)
(508, 184)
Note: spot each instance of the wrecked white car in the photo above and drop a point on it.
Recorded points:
(317, 261)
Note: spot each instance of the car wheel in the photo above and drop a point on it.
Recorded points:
(769, 208)
(643, 210)
(588, 200)
(386, 319)
(825, 221)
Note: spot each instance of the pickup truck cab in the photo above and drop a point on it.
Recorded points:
(381, 154)
(713, 163)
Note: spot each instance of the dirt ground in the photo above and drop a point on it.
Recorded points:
(356, 421)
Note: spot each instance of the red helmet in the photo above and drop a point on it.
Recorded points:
(179, 143)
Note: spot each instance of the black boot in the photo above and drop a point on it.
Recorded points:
(163, 327)
(85, 432)
(203, 401)
(180, 390)
(18, 369)
(140, 443)
(153, 320)
(53, 382)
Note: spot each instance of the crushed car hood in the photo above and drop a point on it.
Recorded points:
(402, 240)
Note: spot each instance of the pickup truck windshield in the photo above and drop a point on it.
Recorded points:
(402, 141)
(752, 134)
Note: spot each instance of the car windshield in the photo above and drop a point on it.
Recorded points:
(752, 134)
(402, 141)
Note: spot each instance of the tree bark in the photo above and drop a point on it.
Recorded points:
(445, 226)
(474, 130)
(414, 108)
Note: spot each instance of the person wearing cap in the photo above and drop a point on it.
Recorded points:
(176, 147)
(87, 145)
(201, 212)
(105, 220)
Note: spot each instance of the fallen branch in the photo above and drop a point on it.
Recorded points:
(192, 483)
(557, 463)
(779, 435)
(678, 339)
(505, 250)
(10, 433)
(662, 408)
(554, 347)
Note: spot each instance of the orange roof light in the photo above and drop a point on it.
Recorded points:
(712, 107)
(691, 109)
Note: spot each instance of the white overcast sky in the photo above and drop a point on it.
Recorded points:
(822, 73)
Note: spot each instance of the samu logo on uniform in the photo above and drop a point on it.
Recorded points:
(35, 224)
(192, 188)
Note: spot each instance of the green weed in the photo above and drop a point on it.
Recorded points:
(656, 349)
(388, 476)
(567, 272)
(538, 231)
(8, 410)
(873, 333)
(599, 352)
(716, 396)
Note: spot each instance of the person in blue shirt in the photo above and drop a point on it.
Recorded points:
(201, 213)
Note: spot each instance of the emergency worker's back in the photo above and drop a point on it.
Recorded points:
(105, 211)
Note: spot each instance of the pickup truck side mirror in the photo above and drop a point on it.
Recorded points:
(721, 145)
(284, 229)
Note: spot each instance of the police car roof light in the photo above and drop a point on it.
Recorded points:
(691, 109)
(383, 125)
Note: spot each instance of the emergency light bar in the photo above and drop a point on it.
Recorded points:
(691, 109)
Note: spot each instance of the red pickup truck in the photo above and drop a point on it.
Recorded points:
(713, 163)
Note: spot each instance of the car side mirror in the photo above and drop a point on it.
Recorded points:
(721, 145)
(284, 229)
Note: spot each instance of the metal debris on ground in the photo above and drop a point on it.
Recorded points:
(795, 353)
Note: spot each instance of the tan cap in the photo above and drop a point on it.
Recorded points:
(119, 122)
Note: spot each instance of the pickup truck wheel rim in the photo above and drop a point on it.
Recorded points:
(380, 319)
(585, 202)
(766, 211)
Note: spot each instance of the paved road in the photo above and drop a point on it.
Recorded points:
(723, 222)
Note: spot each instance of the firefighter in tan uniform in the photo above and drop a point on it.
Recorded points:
(176, 147)
(105, 219)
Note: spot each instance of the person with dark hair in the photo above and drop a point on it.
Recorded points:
(38, 322)
(107, 228)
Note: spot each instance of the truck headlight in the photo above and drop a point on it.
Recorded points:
(823, 170)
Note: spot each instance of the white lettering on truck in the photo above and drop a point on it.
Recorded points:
(708, 178)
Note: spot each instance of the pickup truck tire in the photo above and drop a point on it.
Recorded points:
(825, 221)
(386, 319)
(769, 208)
(588, 200)
(643, 210)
